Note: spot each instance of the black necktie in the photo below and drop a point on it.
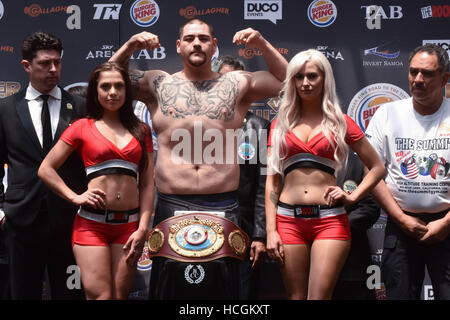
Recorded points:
(46, 126)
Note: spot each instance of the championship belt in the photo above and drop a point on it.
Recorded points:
(197, 237)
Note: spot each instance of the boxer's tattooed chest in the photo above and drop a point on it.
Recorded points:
(215, 99)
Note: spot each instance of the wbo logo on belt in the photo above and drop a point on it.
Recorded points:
(197, 237)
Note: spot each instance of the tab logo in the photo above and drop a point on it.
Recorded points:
(107, 11)
(374, 14)
(322, 13)
(263, 10)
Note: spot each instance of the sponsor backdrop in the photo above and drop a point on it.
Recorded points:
(367, 42)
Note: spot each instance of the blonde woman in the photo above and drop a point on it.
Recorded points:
(307, 227)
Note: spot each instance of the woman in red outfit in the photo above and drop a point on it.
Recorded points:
(112, 222)
(307, 227)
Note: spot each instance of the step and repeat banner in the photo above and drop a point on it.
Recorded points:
(367, 42)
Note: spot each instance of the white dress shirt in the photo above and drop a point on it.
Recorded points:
(35, 107)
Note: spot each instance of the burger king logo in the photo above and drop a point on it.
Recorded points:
(366, 102)
(144, 13)
(144, 262)
(322, 13)
(2, 10)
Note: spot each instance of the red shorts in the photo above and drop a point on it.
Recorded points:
(92, 233)
(302, 231)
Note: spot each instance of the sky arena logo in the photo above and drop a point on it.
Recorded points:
(322, 13)
(191, 12)
(367, 101)
(144, 13)
(330, 53)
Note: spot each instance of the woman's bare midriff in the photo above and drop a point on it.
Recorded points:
(306, 186)
(121, 191)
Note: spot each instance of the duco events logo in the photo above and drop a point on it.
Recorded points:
(35, 10)
(191, 11)
(263, 10)
(2, 10)
(439, 11)
(367, 101)
(144, 13)
(322, 13)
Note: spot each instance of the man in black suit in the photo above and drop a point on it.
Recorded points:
(37, 223)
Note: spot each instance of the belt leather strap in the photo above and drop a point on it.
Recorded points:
(197, 237)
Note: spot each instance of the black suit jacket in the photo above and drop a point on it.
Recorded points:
(252, 181)
(21, 151)
(362, 215)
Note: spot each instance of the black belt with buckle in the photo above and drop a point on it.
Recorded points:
(113, 216)
(306, 211)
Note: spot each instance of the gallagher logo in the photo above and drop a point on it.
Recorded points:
(35, 10)
(6, 48)
(144, 13)
(322, 13)
(249, 53)
(367, 101)
(191, 12)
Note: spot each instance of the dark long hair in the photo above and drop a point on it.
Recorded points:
(126, 113)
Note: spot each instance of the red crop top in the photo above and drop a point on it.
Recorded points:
(316, 150)
(95, 149)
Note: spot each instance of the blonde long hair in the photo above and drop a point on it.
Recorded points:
(333, 123)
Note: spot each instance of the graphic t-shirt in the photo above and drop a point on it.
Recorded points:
(416, 152)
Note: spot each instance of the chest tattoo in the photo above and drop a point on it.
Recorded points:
(215, 99)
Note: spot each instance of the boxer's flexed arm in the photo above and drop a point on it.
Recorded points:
(141, 81)
(263, 84)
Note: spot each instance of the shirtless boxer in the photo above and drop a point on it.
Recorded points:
(193, 98)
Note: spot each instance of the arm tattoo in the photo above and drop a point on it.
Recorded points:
(135, 76)
(274, 197)
(215, 99)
